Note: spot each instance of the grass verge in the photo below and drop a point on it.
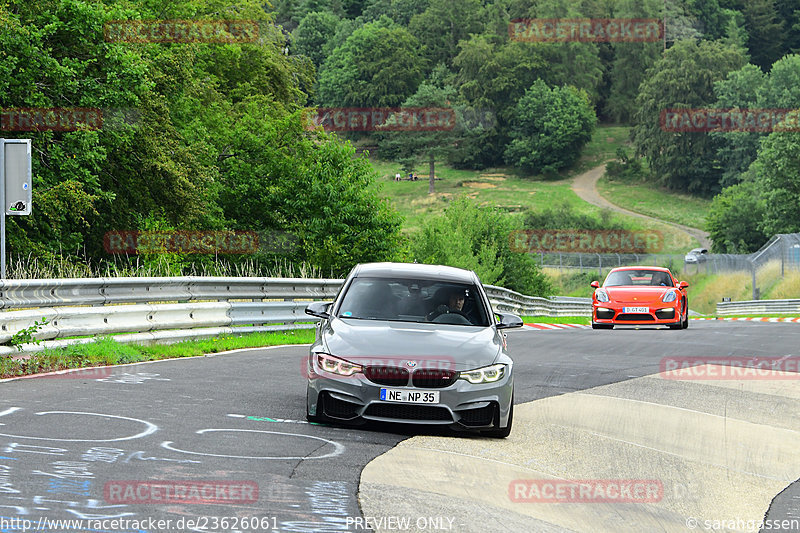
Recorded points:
(107, 351)
(655, 202)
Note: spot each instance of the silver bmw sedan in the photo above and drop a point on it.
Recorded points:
(411, 343)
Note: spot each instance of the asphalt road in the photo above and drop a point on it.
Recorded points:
(75, 447)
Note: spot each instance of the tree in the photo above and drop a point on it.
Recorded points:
(777, 176)
(751, 88)
(734, 219)
(493, 77)
(379, 65)
(313, 33)
(478, 238)
(550, 128)
(443, 25)
(408, 146)
(683, 78)
(765, 31)
(309, 184)
(631, 61)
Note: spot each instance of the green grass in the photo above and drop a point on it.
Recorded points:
(504, 189)
(603, 147)
(557, 319)
(107, 351)
(655, 202)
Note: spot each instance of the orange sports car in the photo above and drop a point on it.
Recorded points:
(640, 295)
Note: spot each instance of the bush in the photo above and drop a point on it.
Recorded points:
(549, 128)
(566, 217)
(625, 168)
(477, 238)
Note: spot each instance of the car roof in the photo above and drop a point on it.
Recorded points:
(414, 271)
(698, 250)
(661, 269)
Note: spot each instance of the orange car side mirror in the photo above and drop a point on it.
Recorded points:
(595, 284)
(682, 285)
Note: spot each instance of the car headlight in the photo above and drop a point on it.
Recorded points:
(334, 365)
(487, 374)
(601, 295)
(669, 297)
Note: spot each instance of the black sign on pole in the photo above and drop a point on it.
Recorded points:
(15, 186)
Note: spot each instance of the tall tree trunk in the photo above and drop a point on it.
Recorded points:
(431, 177)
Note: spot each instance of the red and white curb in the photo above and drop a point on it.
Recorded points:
(544, 326)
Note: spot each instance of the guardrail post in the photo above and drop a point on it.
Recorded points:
(600, 266)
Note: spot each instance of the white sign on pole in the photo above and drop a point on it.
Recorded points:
(17, 163)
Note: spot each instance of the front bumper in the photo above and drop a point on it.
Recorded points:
(663, 314)
(462, 405)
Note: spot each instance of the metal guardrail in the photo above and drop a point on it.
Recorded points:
(514, 302)
(147, 310)
(758, 307)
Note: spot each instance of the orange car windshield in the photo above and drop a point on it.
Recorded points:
(637, 278)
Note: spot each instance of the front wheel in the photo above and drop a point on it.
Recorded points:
(602, 326)
(685, 323)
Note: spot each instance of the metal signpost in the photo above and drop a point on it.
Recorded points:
(15, 186)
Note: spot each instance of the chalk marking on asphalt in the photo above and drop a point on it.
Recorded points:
(338, 447)
(150, 427)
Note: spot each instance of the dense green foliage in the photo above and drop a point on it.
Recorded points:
(211, 138)
(478, 238)
(549, 128)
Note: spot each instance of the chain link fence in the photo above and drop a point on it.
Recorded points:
(781, 251)
(783, 248)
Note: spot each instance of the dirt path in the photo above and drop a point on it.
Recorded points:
(585, 186)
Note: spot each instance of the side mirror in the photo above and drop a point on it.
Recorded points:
(682, 285)
(319, 309)
(509, 320)
(595, 284)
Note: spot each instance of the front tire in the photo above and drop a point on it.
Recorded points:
(602, 326)
(686, 318)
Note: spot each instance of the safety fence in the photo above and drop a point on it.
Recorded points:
(148, 310)
(759, 307)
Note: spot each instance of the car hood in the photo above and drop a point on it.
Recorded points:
(637, 294)
(395, 343)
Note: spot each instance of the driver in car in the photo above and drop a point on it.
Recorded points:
(455, 304)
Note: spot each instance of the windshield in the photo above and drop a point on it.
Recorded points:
(412, 300)
(624, 278)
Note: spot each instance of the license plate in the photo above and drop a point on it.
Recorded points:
(635, 309)
(409, 396)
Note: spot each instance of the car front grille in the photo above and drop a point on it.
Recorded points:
(483, 416)
(387, 375)
(433, 378)
(636, 317)
(408, 412)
